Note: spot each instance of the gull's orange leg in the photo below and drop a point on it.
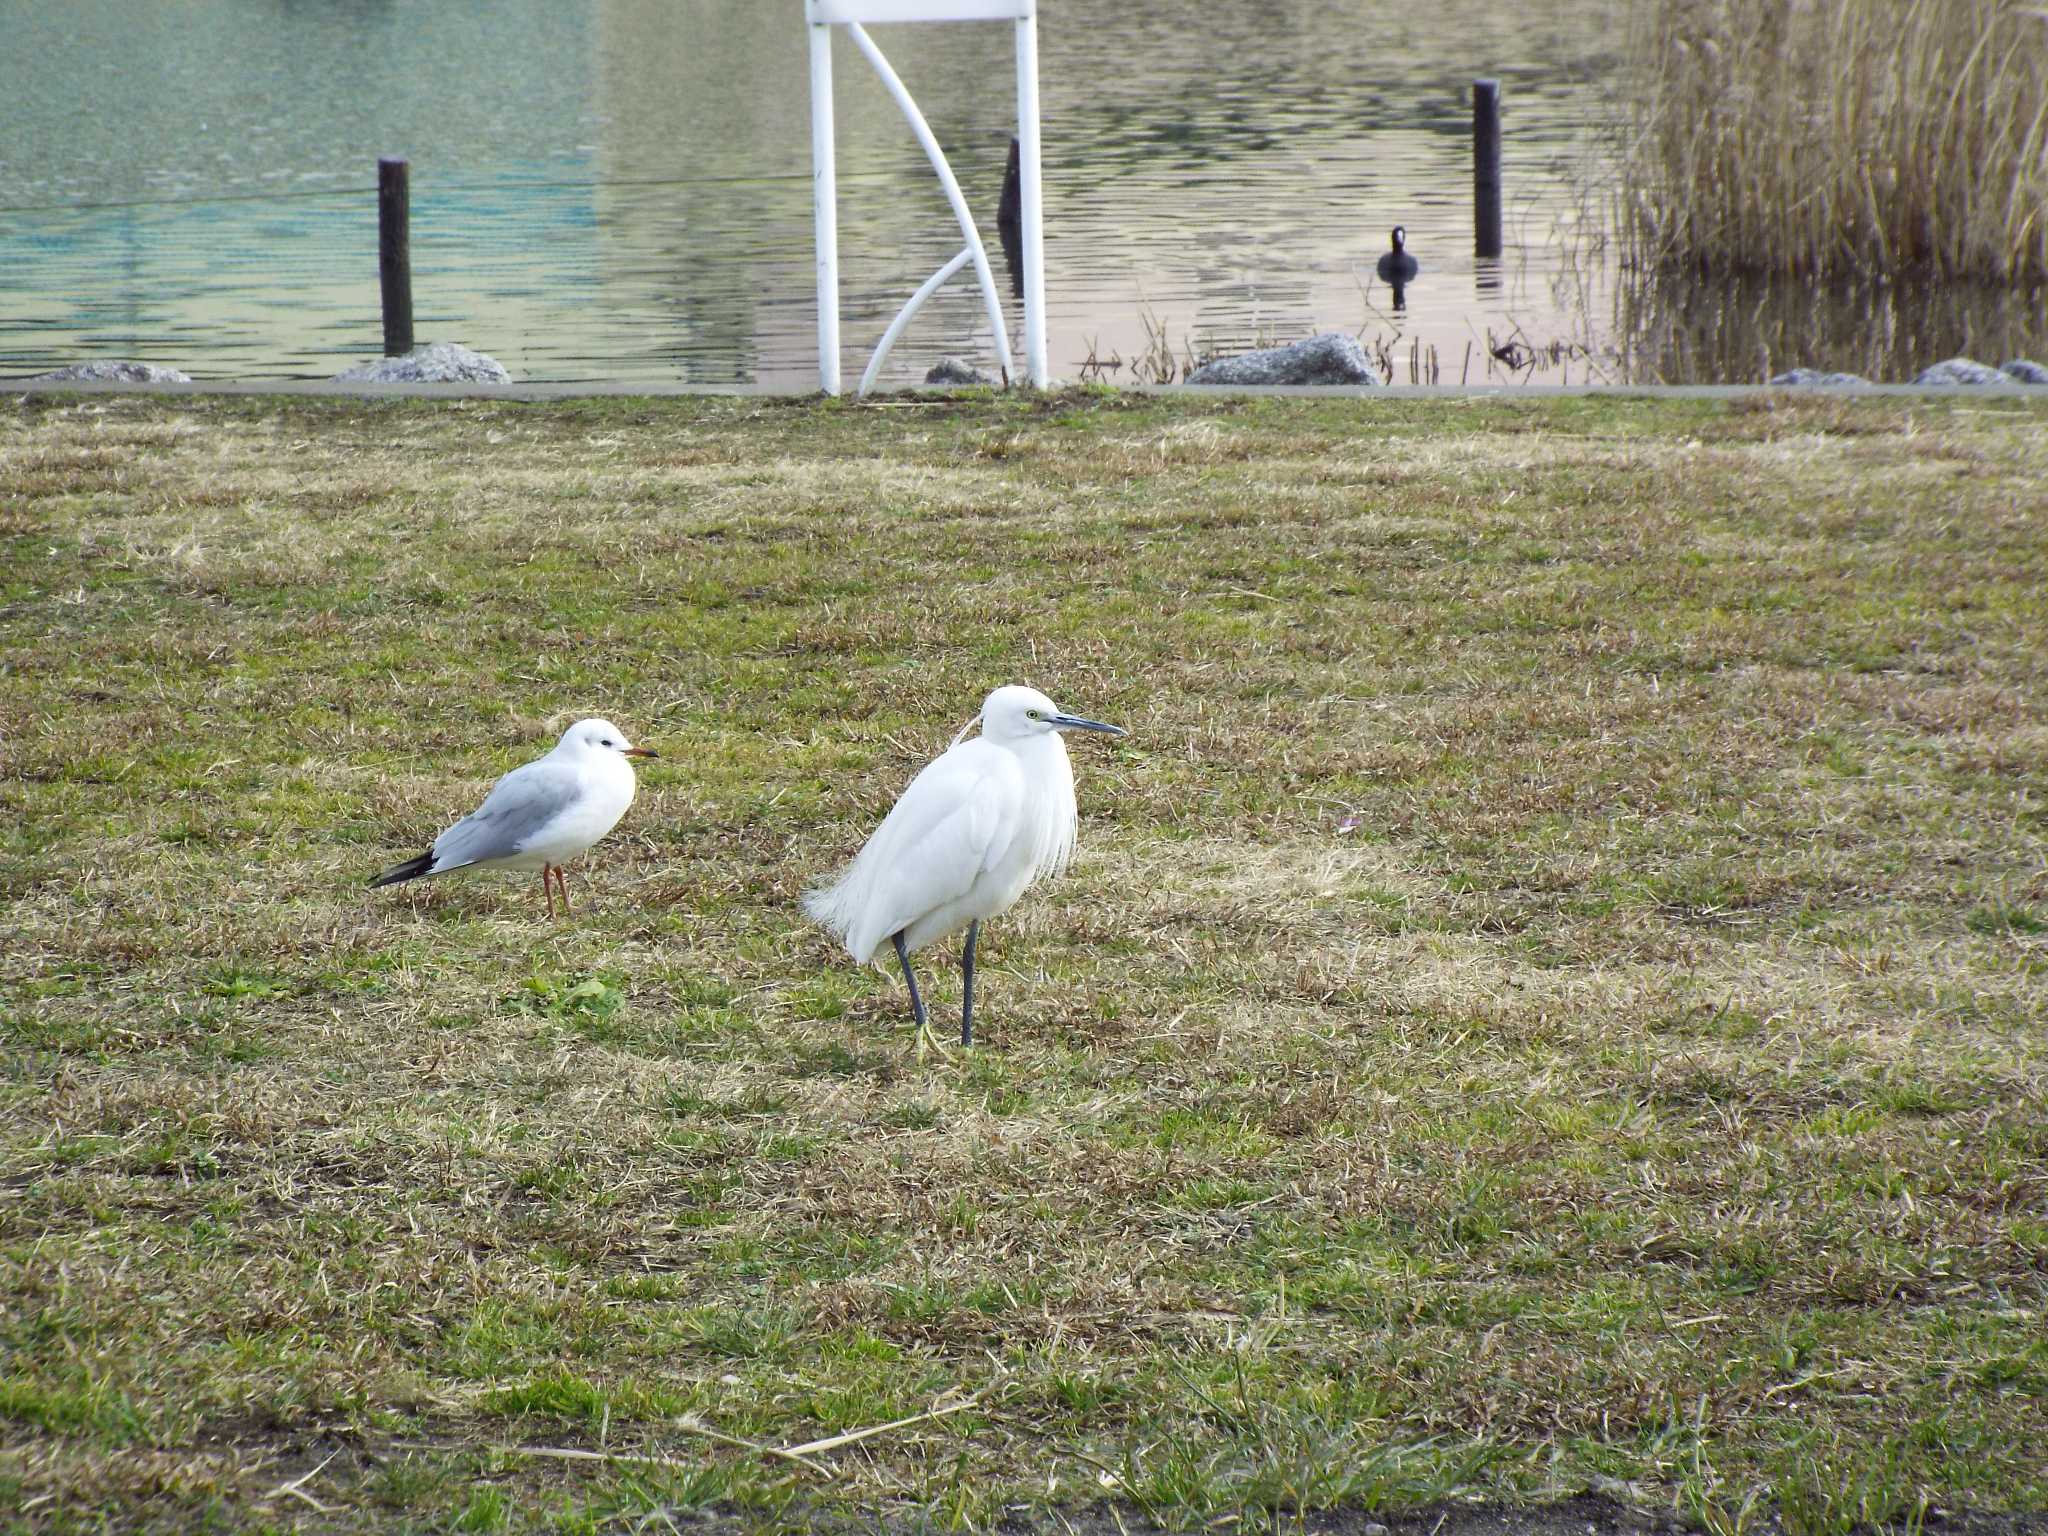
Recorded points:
(549, 889)
(562, 879)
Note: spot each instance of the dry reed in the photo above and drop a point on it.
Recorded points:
(1841, 137)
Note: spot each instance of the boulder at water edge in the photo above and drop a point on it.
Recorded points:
(2020, 371)
(953, 370)
(1331, 358)
(1802, 377)
(440, 362)
(113, 373)
(1961, 370)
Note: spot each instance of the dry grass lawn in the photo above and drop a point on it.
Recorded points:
(1554, 994)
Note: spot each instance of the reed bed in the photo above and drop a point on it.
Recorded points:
(1840, 138)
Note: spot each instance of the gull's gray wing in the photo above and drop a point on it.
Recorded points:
(518, 806)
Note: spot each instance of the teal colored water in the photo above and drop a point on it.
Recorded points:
(620, 189)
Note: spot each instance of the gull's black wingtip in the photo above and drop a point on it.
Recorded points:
(411, 869)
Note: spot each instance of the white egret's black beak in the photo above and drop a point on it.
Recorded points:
(1076, 723)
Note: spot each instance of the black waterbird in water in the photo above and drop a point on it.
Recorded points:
(1397, 266)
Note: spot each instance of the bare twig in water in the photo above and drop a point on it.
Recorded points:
(1096, 367)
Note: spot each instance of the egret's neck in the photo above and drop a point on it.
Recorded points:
(1050, 810)
(1048, 774)
(1043, 750)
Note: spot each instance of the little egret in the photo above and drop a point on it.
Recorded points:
(537, 816)
(982, 821)
(1397, 266)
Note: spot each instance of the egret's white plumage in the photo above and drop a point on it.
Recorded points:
(542, 814)
(976, 827)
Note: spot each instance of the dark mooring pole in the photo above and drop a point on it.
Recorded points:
(1486, 167)
(1010, 220)
(394, 254)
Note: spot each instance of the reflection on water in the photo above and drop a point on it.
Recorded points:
(1748, 329)
(620, 189)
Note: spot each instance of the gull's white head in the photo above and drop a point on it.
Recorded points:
(600, 736)
(1015, 714)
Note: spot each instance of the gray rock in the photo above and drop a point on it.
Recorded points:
(1961, 370)
(440, 362)
(2021, 371)
(952, 370)
(1798, 377)
(1331, 358)
(117, 373)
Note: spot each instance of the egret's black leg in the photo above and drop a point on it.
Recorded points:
(910, 976)
(967, 985)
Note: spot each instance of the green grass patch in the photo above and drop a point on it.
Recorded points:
(1550, 995)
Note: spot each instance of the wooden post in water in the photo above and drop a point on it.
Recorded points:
(394, 253)
(1486, 167)
(1010, 219)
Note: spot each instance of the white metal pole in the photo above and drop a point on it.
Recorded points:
(825, 207)
(931, 286)
(937, 157)
(1033, 207)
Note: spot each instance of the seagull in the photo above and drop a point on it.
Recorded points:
(975, 828)
(538, 815)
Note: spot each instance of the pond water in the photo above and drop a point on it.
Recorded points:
(619, 190)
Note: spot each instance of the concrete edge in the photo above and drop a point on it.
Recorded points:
(23, 386)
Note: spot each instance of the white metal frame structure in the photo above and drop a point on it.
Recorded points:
(822, 16)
